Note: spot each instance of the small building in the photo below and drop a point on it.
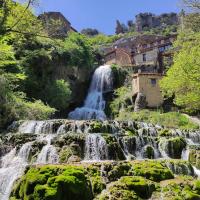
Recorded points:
(120, 57)
(148, 85)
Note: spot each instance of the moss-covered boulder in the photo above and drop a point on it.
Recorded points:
(152, 170)
(173, 146)
(129, 187)
(180, 167)
(148, 152)
(53, 183)
(115, 151)
(194, 156)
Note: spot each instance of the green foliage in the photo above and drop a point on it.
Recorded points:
(182, 79)
(14, 106)
(59, 94)
(121, 101)
(168, 120)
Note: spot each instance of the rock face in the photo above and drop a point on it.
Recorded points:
(149, 20)
(56, 24)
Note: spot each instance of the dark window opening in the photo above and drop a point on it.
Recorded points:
(153, 81)
(144, 57)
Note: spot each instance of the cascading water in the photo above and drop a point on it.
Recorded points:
(95, 104)
(95, 148)
(48, 154)
(12, 167)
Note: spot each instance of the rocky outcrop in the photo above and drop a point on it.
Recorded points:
(140, 102)
(146, 21)
(57, 26)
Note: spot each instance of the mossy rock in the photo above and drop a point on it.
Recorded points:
(65, 154)
(130, 187)
(53, 183)
(97, 185)
(96, 127)
(114, 150)
(173, 146)
(152, 170)
(194, 157)
(119, 170)
(180, 167)
(180, 188)
(164, 133)
(149, 152)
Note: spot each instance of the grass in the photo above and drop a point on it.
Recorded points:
(168, 120)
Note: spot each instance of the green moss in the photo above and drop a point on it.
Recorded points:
(152, 170)
(119, 170)
(53, 183)
(97, 185)
(65, 154)
(164, 133)
(96, 127)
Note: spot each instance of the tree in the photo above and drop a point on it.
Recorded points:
(183, 78)
(90, 32)
(192, 4)
(17, 18)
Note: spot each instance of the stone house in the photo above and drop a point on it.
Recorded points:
(56, 24)
(120, 57)
(148, 85)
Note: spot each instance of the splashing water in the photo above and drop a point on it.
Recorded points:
(95, 104)
(96, 148)
(48, 154)
(12, 167)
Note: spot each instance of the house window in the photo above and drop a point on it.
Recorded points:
(153, 81)
(144, 57)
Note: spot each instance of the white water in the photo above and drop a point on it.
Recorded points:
(12, 167)
(48, 154)
(95, 104)
(95, 148)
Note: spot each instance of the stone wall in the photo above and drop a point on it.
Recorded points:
(151, 57)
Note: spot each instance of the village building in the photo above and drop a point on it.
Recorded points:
(120, 57)
(148, 85)
(56, 24)
(145, 57)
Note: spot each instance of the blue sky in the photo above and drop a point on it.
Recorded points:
(102, 14)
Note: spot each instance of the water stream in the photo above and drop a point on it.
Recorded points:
(95, 104)
(12, 167)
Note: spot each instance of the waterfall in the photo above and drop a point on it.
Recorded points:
(12, 167)
(95, 148)
(95, 104)
(48, 154)
(36, 127)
